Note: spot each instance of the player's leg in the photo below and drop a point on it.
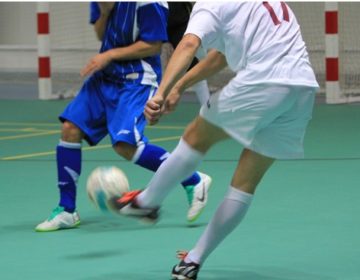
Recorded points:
(68, 154)
(199, 136)
(150, 156)
(68, 159)
(251, 168)
(283, 126)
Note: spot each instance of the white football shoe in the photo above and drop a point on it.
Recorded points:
(59, 219)
(198, 196)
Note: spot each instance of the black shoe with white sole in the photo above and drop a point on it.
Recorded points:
(184, 270)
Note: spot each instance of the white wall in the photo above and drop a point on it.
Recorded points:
(17, 23)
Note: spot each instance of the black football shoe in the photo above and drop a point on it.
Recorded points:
(184, 270)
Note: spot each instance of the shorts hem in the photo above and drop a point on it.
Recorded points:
(86, 137)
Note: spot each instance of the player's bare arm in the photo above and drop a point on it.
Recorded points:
(138, 50)
(214, 62)
(177, 66)
(179, 63)
(210, 65)
(100, 24)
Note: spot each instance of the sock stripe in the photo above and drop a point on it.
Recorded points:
(69, 145)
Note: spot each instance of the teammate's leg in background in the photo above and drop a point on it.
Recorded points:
(68, 158)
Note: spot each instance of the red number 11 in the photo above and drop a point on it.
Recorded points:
(273, 15)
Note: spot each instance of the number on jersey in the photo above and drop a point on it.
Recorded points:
(274, 17)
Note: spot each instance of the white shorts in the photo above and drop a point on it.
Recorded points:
(268, 119)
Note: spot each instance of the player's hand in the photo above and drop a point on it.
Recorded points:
(172, 101)
(153, 109)
(96, 63)
(106, 7)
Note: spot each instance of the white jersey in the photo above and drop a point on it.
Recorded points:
(261, 41)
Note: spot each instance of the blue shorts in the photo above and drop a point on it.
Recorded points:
(103, 107)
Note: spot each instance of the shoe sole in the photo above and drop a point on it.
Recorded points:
(56, 229)
(179, 277)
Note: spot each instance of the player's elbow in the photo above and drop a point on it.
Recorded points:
(190, 42)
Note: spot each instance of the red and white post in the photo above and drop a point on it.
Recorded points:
(43, 31)
(333, 92)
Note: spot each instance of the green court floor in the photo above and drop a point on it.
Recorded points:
(303, 224)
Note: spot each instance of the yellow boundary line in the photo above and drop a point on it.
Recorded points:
(27, 129)
(50, 132)
(29, 124)
(58, 125)
(99, 147)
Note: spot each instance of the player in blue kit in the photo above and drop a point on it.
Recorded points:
(121, 78)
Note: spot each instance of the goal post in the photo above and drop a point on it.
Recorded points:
(332, 35)
(66, 41)
(333, 59)
(43, 45)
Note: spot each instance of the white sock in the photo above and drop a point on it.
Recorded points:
(181, 163)
(227, 217)
(202, 91)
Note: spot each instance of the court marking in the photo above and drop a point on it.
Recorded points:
(59, 124)
(27, 129)
(12, 137)
(32, 155)
(43, 132)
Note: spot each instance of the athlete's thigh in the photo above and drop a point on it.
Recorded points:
(201, 134)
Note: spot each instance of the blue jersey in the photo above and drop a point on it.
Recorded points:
(130, 22)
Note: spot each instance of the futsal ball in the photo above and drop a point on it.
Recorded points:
(105, 183)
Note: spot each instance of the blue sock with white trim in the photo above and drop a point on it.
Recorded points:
(68, 157)
(151, 157)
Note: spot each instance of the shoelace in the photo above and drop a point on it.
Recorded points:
(128, 196)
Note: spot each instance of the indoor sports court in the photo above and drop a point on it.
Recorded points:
(303, 223)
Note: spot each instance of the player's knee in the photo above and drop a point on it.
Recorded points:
(192, 137)
(71, 133)
(125, 150)
(202, 135)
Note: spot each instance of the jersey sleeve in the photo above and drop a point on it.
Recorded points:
(205, 25)
(94, 12)
(152, 22)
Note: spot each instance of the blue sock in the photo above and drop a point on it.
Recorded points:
(68, 157)
(150, 157)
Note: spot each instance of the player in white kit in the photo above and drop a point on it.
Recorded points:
(266, 107)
